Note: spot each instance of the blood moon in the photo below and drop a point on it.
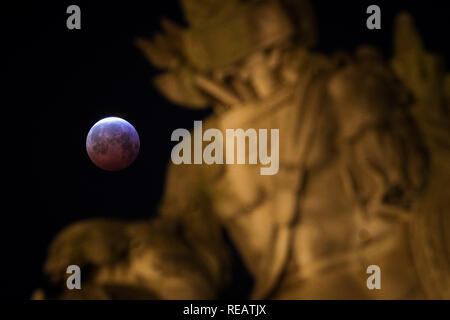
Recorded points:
(112, 144)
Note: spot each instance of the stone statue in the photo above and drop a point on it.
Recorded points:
(363, 173)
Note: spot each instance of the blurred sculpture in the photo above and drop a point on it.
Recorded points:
(364, 167)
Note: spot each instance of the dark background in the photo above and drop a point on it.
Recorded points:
(66, 80)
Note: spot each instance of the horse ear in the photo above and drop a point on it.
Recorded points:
(304, 18)
(421, 71)
(406, 36)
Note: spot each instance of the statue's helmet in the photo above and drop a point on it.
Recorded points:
(221, 33)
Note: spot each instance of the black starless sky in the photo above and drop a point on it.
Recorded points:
(70, 79)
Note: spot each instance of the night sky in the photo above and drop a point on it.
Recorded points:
(70, 79)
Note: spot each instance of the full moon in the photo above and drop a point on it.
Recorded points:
(112, 144)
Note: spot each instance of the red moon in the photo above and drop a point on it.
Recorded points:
(112, 144)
